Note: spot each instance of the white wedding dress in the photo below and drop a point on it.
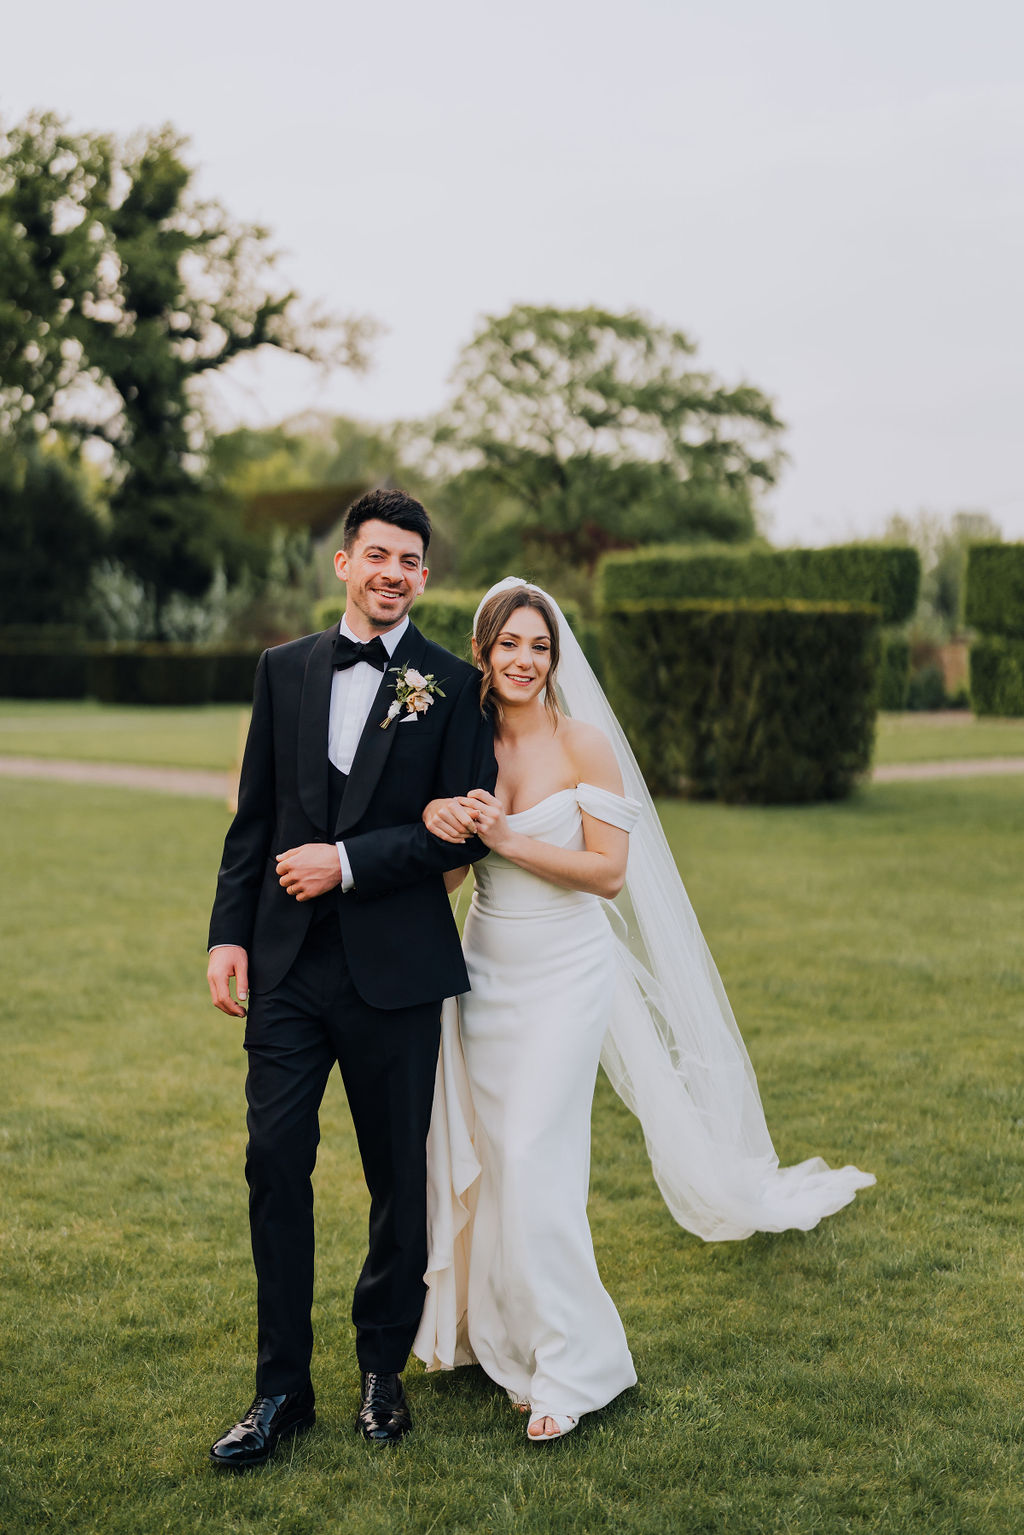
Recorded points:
(560, 979)
(512, 1279)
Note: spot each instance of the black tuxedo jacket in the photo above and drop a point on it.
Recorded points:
(399, 936)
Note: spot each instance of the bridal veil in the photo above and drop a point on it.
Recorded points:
(673, 1051)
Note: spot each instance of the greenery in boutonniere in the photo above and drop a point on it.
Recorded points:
(413, 692)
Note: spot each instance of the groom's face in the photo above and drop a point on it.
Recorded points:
(384, 573)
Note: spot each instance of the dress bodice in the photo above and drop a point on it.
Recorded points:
(503, 886)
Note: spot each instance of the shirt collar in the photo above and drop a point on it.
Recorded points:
(390, 638)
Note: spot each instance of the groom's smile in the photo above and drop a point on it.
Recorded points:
(384, 572)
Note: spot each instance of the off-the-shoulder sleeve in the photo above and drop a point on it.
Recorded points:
(617, 809)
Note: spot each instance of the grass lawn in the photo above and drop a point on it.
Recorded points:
(946, 737)
(212, 737)
(207, 737)
(861, 1377)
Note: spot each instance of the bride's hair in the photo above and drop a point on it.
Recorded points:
(492, 619)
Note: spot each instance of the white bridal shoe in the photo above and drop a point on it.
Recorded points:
(564, 1425)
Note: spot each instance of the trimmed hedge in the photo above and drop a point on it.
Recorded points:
(172, 674)
(29, 672)
(746, 702)
(42, 661)
(994, 599)
(234, 672)
(138, 674)
(886, 575)
(894, 673)
(997, 676)
(151, 674)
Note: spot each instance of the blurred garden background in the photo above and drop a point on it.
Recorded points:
(642, 372)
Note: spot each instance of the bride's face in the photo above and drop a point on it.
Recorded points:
(521, 658)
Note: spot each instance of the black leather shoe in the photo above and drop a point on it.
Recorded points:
(383, 1415)
(269, 1419)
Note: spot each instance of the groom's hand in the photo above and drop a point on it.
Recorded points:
(228, 960)
(308, 871)
(453, 820)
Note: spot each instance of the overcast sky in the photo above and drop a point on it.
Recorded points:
(827, 196)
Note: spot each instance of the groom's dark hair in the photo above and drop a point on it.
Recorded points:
(393, 506)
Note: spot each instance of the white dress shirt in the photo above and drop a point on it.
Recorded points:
(352, 693)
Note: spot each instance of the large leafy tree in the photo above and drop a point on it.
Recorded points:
(591, 429)
(120, 292)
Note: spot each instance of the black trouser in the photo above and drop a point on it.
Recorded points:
(294, 1034)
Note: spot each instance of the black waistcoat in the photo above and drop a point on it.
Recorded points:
(336, 781)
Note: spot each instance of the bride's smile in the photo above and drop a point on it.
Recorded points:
(521, 658)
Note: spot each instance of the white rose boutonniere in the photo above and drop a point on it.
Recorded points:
(414, 694)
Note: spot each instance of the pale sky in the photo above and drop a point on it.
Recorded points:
(826, 196)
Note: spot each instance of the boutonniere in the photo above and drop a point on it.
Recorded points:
(413, 692)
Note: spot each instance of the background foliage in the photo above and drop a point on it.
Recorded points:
(746, 702)
(120, 292)
(886, 576)
(591, 429)
(995, 604)
(995, 588)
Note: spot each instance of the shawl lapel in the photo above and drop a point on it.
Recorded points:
(375, 743)
(314, 724)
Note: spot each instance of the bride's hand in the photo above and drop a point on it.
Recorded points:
(491, 824)
(452, 820)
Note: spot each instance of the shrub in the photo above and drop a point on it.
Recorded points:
(152, 674)
(138, 674)
(894, 677)
(760, 702)
(995, 589)
(51, 539)
(35, 672)
(234, 672)
(882, 574)
(997, 676)
(927, 690)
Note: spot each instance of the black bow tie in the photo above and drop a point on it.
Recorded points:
(347, 652)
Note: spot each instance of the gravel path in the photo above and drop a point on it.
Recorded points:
(166, 780)
(977, 767)
(206, 785)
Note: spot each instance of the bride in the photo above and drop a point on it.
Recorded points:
(561, 979)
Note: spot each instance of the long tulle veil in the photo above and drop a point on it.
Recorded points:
(673, 1051)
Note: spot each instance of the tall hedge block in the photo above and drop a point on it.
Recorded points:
(997, 676)
(885, 574)
(995, 589)
(746, 702)
(894, 678)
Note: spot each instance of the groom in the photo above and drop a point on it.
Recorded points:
(332, 917)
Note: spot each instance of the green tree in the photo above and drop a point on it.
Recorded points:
(120, 292)
(598, 430)
(51, 540)
(308, 451)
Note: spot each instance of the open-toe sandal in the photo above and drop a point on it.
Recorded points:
(563, 1425)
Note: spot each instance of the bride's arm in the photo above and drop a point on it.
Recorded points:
(452, 822)
(601, 869)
